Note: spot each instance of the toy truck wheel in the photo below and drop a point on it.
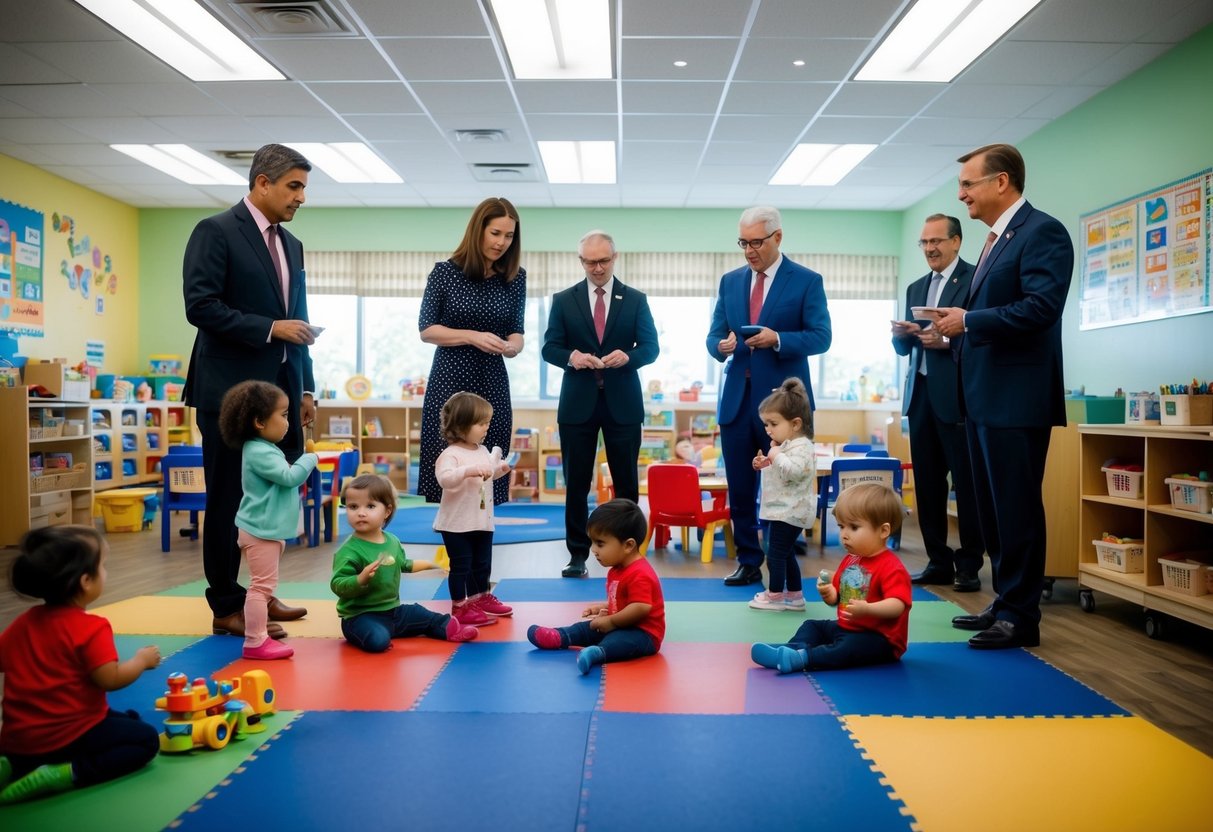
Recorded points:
(217, 732)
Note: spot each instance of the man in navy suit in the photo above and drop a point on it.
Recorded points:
(600, 332)
(244, 291)
(787, 302)
(930, 403)
(1009, 350)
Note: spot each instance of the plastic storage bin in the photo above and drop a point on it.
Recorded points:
(122, 509)
(1124, 483)
(1184, 576)
(1189, 495)
(1121, 557)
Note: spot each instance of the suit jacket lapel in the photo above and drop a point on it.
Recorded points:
(778, 286)
(1000, 245)
(952, 294)
(248, 227)
(618, 294)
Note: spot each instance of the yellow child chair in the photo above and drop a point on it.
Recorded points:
(676, 500)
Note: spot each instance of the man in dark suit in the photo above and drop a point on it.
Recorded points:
(1009, 351)
(937, 433)
(787, 302)
(244, 291)
(600, 333)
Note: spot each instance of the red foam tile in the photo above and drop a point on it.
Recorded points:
(526, 613)
(331, 675)
(684, 678)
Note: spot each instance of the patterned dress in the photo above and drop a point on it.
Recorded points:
(454, 300)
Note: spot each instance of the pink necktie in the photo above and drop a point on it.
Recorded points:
(600, 313)
(272, 232)
(990, 238)
(756, 297)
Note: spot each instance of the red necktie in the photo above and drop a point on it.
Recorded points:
(272, 231)
(756, 297)
(600, 313)
(990, 238)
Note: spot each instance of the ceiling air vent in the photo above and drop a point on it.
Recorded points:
(503, 172)
(235, 155)
(291, 18)
(481, 136)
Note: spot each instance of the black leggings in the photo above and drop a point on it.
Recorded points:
(115, 746)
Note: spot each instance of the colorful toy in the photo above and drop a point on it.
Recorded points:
(207, 713)
(824, 576)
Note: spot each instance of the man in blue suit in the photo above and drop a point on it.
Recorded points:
(786, 303)
(244, 291)
(600, 332)
(932, 406)
(1008, 341)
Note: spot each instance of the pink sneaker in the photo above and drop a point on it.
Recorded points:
(470, 614)
(268, 651)
(456, 631)
(489, 604)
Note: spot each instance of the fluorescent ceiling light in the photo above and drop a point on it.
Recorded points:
(556, 38)
(182, 162)
(186, 37)
(579, 163)
(820, 164)
(937, 39)
(348, 162)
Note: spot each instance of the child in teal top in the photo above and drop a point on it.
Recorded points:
(366, 576)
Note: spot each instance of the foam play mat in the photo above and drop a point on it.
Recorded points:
(438, 736)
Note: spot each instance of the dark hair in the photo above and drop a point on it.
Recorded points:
(1000, 158)
(953, 224)
(460, 412)
(243, 405)
(791, 401)
(274, 160)
(469, 256)
(870, 502)
(378, 487)
(52, 560)
(621, 519)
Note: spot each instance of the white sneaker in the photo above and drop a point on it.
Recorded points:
(768, 601)
(795, 603)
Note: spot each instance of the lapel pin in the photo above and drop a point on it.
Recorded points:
(618, 297)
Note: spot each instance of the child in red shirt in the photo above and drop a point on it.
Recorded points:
(631, 623)
(58, 661)
(871, 590)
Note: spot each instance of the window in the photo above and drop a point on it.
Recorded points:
(861, 358)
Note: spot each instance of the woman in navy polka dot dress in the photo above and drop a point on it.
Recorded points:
(473, 311)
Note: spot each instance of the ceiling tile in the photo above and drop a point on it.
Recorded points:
(770, 59)
(465, 97)
(652, 59)
(567, 96)
(235, 132)
(1093, 21)
(877, 98)
(1017, 62)
(445, 59)
(784, 129)
(64, 100)
(969, 131)
(367, 97)
(824, 18)
(111, 61)
(36, 131)
(753, 98)
(1123, 64)
(986, 100)
(671, 97)
(450, 17)
(667, 128)
(401, 128)
(686, 18)
(765, 155)
(265, 98)
(341, 59)
(18, 66)
(1061, 101)
(160, 99)
(851, 130)
(574, 128)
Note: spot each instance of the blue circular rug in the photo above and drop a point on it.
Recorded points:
(515, 523)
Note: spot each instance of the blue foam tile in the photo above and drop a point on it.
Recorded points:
(954, 680)
(200, 659)
(551, 589)
(359, 770)
(512, 677)
(663, 771)
(423, 589)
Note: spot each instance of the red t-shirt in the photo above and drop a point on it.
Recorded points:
(874, 579)
(46, 656)
(638, 584)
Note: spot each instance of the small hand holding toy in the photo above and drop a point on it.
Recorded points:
(442, 560)
(824, 576)
(761, 461)
(368, 572)
(499, 466)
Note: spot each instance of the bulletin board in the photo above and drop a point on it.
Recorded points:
(1148, 257)
(21, 305)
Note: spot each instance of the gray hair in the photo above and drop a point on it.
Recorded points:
(596, 234)
(953, 224)
(768, 215)
(274, 160)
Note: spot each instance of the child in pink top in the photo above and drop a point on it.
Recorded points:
(465, 514)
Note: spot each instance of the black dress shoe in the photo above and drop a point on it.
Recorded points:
(745, 574)
(966, 582)
(1002, 635)
(932, 575)
(575, 569)
(982, 621)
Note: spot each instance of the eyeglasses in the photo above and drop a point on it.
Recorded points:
(604, 263)
(966, 185)
(756, 243)
(933, 242)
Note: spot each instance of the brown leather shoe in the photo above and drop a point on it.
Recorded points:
(281, 612)
(233, 625)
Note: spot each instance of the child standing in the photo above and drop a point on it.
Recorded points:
(58, 661)
(871, 589)
(465, 514)
(789, 479)
(366, 575)
(254, 418)
(631, 623)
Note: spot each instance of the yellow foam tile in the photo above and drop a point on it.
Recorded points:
(190, 616)
(1104, 773)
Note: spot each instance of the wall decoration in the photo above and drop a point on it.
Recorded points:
(86, 268)
(21, 302)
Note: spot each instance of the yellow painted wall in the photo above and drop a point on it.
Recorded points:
(70, 318)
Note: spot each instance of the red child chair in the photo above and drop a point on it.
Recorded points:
(675, 499)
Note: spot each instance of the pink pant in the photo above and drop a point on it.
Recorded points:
(262, 558)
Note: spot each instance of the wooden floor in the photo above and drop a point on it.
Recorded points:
(1168, 682)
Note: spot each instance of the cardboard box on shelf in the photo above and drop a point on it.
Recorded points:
(62, 382)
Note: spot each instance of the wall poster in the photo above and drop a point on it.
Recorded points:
(21, 303)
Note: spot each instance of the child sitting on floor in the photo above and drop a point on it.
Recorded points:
(366, 575)
(871, 589)
(631, 623)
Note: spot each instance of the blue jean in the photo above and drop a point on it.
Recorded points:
(782, 565)
(831, 647)
(374, 631)
(617, 645)
(471, 555)
(116, 746)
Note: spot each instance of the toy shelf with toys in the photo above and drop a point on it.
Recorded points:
(130, 438)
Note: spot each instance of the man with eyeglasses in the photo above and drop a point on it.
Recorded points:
(930, 403)
(1007, 338)
(600, 332)
(770, 316)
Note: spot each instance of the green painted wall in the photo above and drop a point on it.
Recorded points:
(1150, 129)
